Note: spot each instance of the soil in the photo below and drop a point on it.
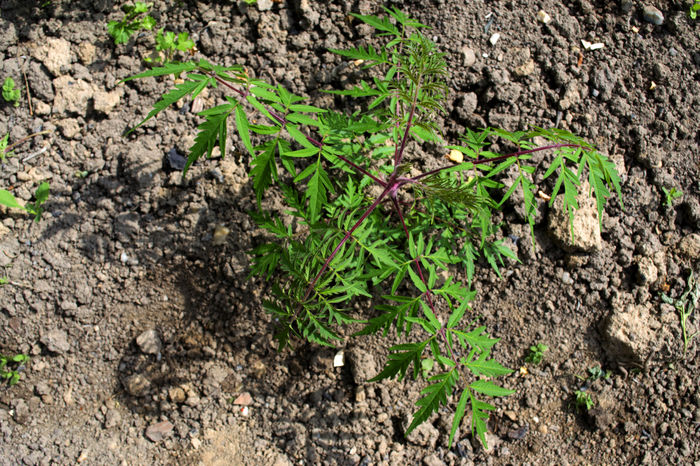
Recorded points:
(148, 343)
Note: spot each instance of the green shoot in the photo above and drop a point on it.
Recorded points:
(33, 208)
(9, 93)
(694, 9)
(11, 367)
(685, 305)
(536, 353)
(136, 18)
(671, 195)
(583, 401)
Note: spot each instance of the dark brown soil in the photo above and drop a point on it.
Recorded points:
(126, 246)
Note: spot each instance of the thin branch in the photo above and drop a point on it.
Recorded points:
(428, 293)
(496, 159)
(369, 210)
(361, 170)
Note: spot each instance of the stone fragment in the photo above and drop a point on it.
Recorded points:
(571, 96)
(69, 127)
(628, 332)
(105, 102)
(244, 399)
(543, 17)
(526, 68)
(21, 411)
(112, 418)
(56, 341)
(137, 385)
(54, 54)
(149, 342)
(425, 435)
(176, 395)
(71, 95)
(86, 53)
(158, 431)
(689, 246)
(653, 15)
(362, 365)
(468, 56)
(586, 229)
(647, 273)
(264, 5)
(495, 38)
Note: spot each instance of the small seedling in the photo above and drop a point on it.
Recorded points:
(4, 150)
(685, 305)
(9, 93)
(583, 401)
(136, 18)
(694, 9)
(168, 43)
(10, 367)
(596, 373)
(34, 208)
(536, 353)
(671, 195)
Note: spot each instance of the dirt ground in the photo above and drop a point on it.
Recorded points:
(148, 343)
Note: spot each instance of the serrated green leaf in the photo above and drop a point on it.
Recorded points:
(460, 410)
(489, 388)
(435, 395)
(243, 128)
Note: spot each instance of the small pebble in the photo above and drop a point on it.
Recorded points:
(494, 38)
(156, 432)
(543, 17)
(566, 278)
(653, 15)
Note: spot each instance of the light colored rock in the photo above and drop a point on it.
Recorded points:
(56, 341)
(54, 54)
(244, 399)
(526, 68)
(112, 418)
(586, 229)
(425, 435)
(362, 365)
(629, 331)
(264, 5)
(86, 53)
(69, 127)
(571, 97)
(149, 342)
(137, 385)
(158, 431)
(72, 95)
(689, 246)
(41, 108)
(653, 15)
(647, 273)
(468, 56)
(105, 102)
(176, 395)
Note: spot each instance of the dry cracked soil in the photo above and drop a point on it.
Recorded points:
(148, 342)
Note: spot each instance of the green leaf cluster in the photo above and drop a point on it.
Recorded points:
(694, 9)
(359, 229)
(35, 208)
(11, 366)
(9, 93)
(135, 18)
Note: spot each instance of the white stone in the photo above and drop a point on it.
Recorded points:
(494, 38)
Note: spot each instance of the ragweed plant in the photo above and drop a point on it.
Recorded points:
(340, 245)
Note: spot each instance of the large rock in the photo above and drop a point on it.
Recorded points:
(72, 95)
(629, 332)
(54, 54)
(586, 228)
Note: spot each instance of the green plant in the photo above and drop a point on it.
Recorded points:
(671, 195)
(595, 373)
(4, 150)
(9, 93)
(136, 18)
(33, 208)
(583, 401)
(168, 43)
(10, 367)
(685, 305)
(694, 8)
(536, 353)
(337, 244)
